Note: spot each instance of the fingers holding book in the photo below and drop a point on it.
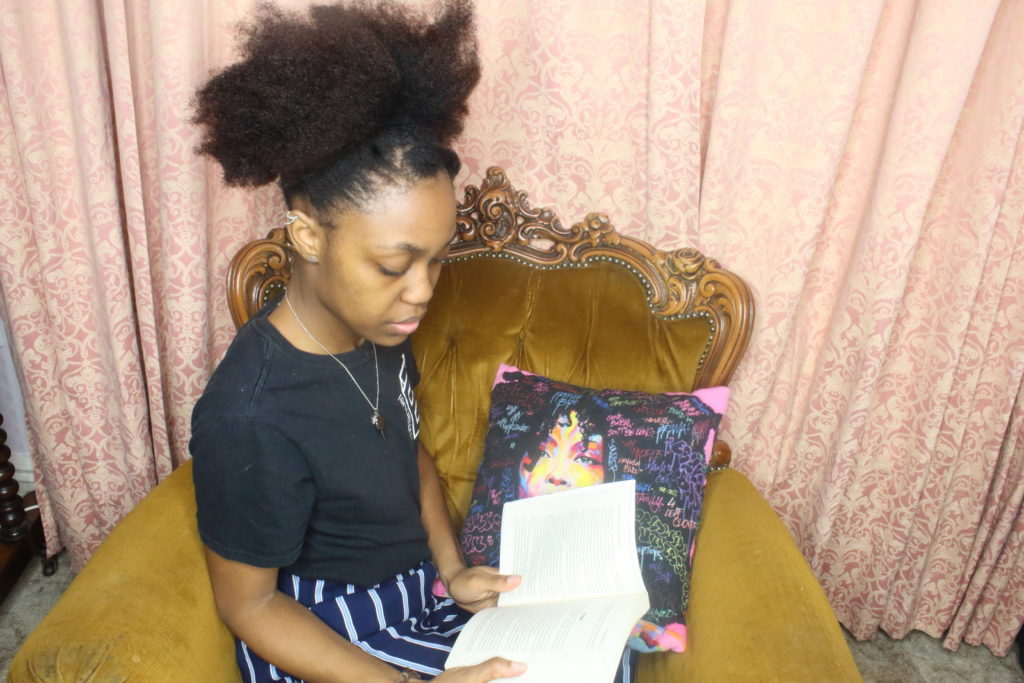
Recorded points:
(476, 588)
(492, 669)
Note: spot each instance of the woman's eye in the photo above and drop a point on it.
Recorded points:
(391, 273)
(585, 460)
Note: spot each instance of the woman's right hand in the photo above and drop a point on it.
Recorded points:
(489, 670)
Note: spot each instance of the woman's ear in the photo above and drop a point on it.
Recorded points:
(307, 236)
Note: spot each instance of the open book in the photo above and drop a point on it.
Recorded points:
(581, 593)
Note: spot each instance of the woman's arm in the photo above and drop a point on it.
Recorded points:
(284, 632)
(434, 513)
(287, 634)
(474, 588)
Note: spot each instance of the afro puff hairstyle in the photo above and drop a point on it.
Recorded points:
(335, 104)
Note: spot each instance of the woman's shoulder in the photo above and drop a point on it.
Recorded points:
(400, 359)
(234, 387)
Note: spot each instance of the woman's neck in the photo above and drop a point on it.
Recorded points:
(308, 326)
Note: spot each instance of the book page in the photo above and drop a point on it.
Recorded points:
(571, 545)
(579, 640)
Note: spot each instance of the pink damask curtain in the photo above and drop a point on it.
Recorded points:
(858, 163)
(114, 239)
(873, 196)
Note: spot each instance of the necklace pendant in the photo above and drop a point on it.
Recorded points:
(378, 422)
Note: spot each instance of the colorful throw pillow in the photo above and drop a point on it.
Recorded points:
(547, 436)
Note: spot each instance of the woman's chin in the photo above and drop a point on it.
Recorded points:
(388, 337)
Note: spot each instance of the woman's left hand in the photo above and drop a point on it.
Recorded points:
(475, 588)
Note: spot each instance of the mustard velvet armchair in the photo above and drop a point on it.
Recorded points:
(583, 305)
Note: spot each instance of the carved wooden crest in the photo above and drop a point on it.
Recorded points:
(257, 273)
(496, 219)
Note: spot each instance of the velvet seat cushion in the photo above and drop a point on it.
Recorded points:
(141, 609)
(756, 612)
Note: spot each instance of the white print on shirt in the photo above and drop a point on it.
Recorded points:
(408, 401)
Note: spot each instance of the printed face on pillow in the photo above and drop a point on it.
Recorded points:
(568, 458)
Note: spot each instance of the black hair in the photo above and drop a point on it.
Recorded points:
(589, 415)
(337, 104)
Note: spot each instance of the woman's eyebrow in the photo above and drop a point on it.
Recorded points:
(409, 247)
(404, 246)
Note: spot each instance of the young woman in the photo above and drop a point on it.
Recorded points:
(323, 518)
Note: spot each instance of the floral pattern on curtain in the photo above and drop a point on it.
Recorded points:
(858, 163)
(112, 282)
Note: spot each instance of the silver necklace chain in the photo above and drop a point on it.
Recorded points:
(377, 420)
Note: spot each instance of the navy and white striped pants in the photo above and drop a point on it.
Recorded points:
(399, 621)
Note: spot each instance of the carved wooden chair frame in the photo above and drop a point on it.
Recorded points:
(497, 221)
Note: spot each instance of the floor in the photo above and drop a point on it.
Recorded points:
(917, 658)
(27, 603)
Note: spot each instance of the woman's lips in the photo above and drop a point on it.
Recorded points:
(406, 328)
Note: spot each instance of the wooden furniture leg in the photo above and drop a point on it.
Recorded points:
(20, 532)
(13, 525)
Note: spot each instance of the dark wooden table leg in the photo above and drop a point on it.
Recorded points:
(13, 525)
(20, 532)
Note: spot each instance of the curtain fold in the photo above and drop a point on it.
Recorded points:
(65, 278)
(114, 241)
(858, 163)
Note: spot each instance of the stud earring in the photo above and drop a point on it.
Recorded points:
(292, 217)
(314, 259)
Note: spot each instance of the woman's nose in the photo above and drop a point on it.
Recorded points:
(419, 289)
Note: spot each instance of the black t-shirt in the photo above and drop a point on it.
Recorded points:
(289, 472)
